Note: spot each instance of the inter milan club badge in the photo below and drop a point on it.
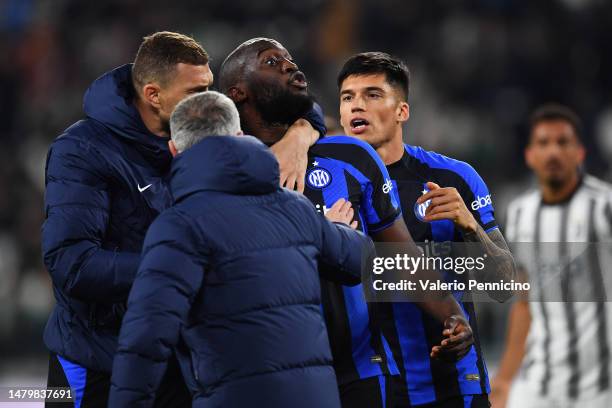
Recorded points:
(318, 177)
(419, 209)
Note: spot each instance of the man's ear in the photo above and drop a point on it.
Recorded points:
(237, 94)
(403, 111)
(172, 147)
(581, 153)
(150, 93)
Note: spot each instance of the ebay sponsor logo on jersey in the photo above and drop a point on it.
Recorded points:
(481, 202)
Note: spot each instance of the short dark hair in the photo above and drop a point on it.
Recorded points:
(367, 63)
(553, 112)
(159, 53)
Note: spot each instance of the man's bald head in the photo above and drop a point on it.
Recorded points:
(234, 67)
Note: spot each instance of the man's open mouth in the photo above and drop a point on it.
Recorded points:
(298, 80)
(358, 125)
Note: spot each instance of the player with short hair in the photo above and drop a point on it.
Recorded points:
(105, 184)
(442, 199)
(558, 343)
(261, 77)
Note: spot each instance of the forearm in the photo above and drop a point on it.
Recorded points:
(343, 250)
(93, 274)
(149, 333)
(499, 262)
(300, 134)
(135, 380)
(291, 152)
(440, 304)
(519, 322)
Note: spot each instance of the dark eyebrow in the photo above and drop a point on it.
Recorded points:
(368, 89)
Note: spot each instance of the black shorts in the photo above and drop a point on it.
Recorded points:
(90, 389)
(373, 392)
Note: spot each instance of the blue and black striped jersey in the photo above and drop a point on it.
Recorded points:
(410, 332)
(344, 167)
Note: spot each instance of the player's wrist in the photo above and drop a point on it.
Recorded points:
(470, 227)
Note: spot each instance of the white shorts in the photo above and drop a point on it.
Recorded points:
(523, 395)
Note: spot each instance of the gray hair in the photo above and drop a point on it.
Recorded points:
(204, 114)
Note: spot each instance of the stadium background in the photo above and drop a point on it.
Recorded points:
(478, 68)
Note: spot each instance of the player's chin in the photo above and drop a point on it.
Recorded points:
(554, 177)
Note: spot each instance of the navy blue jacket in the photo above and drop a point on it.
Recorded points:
(104, 187)
(231, 271)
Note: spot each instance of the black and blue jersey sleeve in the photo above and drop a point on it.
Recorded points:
(478, 198)
(379, 208)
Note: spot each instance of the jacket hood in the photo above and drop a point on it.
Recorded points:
(109, 100)
(230, 164)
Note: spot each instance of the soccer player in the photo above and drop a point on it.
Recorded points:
(270, 92)
(231, 268)
(442, 200)
(560, 340)
(104, 186)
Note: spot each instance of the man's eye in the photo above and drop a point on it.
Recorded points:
(374, 96)
(272, 61)
(346, 98)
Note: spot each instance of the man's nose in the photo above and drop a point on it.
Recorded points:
(554, 150)
(289, 66)
(357, 104)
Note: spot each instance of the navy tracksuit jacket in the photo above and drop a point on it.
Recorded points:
(231, 273)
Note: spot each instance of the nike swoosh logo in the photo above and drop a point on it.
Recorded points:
(143, 188)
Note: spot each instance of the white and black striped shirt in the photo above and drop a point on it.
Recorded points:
(569, 342)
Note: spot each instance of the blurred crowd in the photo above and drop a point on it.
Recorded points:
(478, 68)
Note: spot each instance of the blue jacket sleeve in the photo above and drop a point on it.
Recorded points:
(77, 211)
(167, 282)
(316, 119)
(344, 252)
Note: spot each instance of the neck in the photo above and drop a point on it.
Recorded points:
(557, 194)
(253, 124)
(391, 150)
(150, 118)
